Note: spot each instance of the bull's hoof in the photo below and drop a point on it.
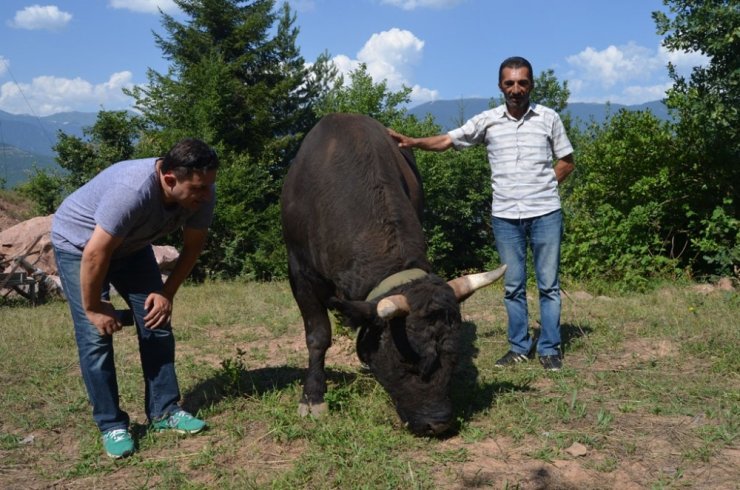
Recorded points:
(316, 411)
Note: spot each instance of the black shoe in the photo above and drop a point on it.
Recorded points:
(551, 363)
(510, 359)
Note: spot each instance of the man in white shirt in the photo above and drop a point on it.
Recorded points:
(523, 140)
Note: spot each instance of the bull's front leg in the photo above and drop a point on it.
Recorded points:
(318, 340)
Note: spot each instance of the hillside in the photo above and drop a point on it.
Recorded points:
(27, 141)
(15, 164)
(13, 209)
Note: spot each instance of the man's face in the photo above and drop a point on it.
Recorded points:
(190, 192)
(516, 86)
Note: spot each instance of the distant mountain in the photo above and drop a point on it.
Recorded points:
(450, 114)
(26, 141)
(16, 164)
(38, 135)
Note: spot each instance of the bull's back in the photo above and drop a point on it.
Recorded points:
(351, 202)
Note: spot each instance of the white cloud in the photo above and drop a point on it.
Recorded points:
(389, 56)
(413, 4)
(48, 95)
(345, 64)
(145, 6)
(614, 64)
(636, 94)
(634, 74)
(419, 95)
(4, 64)
(37, 17)
(683, 61)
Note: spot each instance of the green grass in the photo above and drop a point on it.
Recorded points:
(650, 387)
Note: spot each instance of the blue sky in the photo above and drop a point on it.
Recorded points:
(77, 55)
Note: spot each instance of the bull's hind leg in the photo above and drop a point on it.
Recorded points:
(318, 340)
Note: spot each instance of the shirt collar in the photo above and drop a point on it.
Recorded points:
(533, 108)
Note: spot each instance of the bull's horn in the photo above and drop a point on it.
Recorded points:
(466, 285)
(393, 306)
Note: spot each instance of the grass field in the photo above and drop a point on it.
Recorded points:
(649, 398)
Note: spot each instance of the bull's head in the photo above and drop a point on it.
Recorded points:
(410, 341)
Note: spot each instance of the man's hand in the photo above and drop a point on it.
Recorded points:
(104, 318)
(159, 310)
(403, 140)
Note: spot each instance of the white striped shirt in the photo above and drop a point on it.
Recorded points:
(521, 154)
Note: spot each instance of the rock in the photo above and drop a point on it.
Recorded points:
(580, 296)
(19, 239)
(32, 238)
(577, 449)
(166, 256)
(703, 288)
(725, 284)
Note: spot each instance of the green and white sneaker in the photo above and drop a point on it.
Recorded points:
(179, 421)
(118, 443)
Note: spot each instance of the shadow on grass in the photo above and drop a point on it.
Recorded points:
(234, 381)
(570, 332)
(469, 396)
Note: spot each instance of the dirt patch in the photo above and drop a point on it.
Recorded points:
(635, 351)
(496, 463)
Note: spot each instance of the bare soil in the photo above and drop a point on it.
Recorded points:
(13, 211)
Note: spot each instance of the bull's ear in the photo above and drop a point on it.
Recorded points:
(357, 313)
(368, 342)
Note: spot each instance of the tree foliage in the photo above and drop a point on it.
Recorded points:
(619, 208)
(707, 106)
(361, 95)
(237, 80)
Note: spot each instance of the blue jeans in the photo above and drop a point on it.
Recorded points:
(134, 277)
(543, 234)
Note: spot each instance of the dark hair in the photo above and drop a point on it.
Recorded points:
(515, 62)
(187, 156)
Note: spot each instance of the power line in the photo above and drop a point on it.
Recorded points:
(38, 119)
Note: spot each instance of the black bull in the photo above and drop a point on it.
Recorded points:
(351, 214)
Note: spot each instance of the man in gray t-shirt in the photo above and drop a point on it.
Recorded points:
(102, 235)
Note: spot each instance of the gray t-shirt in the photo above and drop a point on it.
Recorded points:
(126, 200)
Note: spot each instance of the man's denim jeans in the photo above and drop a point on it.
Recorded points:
(543, 234)
(134, 277)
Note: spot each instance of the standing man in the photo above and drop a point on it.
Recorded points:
(102, 235)
(522, 139)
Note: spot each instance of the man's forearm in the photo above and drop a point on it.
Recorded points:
(440, 142)
(93, 269)
(183, 267)
(563, 168)
(193, 243)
